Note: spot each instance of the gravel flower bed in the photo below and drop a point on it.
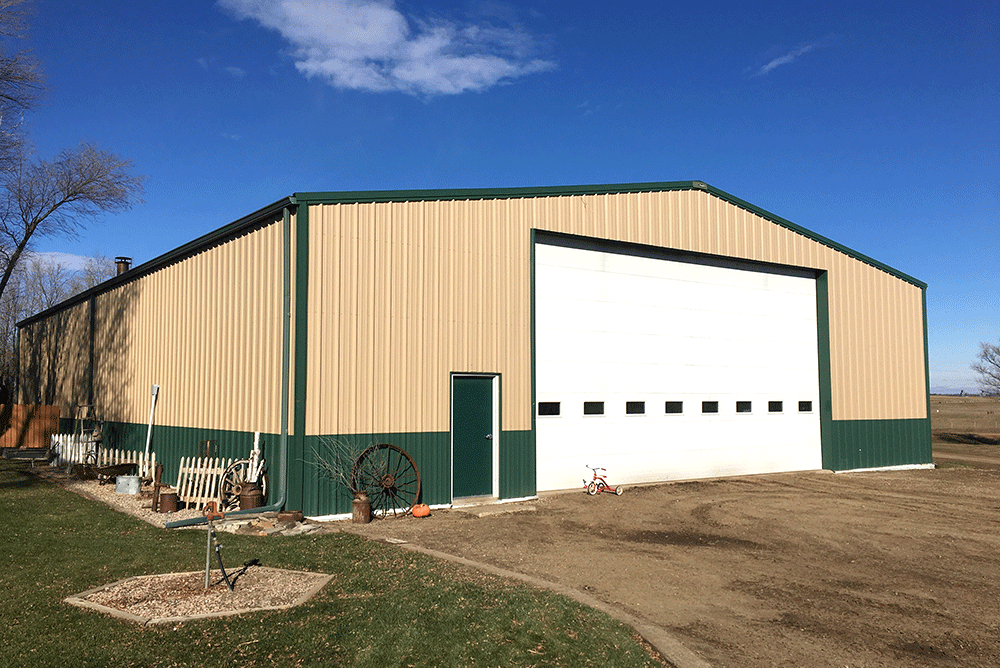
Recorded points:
(173, 597)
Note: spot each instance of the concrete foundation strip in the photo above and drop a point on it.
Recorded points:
(664, 643)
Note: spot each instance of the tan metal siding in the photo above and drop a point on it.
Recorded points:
(54, 360)
(206, 329)
(402, 294)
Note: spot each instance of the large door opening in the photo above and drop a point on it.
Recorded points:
(660, 366)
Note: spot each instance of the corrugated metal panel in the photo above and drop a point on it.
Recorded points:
(517, 465)
(416, 290)
(206, 329)
(860, 444)
(55, 360)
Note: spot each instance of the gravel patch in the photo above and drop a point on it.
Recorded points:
(174, 597)
(138, 505)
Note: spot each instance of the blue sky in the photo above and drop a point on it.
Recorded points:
(875, 124)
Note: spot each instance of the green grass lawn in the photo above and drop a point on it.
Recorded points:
(384, 607)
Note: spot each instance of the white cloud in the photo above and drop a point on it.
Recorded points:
(236, 72)
(370, 45)
(787, 58)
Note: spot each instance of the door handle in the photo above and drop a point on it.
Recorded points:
(489, 437)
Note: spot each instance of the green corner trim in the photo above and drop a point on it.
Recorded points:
(296, 441)
(532, 361)
(825, 391)
(927, 355)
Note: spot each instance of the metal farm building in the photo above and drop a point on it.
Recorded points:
(505, 339)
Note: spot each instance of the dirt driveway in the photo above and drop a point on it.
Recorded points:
(811, 569)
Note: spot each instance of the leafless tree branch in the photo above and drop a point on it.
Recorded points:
(988, 368)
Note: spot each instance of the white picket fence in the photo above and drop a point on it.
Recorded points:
(198, 479)
(73, 449)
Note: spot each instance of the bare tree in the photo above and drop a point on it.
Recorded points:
(988, 368)
(39, 197)
(55, 198)
(38, 283)
(96, 269)
(20, 82)
(44, 283)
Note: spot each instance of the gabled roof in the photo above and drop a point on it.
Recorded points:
(267, 213)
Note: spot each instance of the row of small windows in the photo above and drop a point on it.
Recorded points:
(670, 407)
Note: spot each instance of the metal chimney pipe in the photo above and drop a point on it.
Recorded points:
(123, 264)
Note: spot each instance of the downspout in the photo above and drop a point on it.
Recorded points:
(15, 391)
(286, 331)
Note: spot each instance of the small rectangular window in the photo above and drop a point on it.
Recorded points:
(635, 407)
(710, 407)
(548, 408)
(805, 406)
(593, 408)
(774, 407)
(674, 407)
(743, 406)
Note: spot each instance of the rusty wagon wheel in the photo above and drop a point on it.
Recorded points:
(233, 481)
(389, 477)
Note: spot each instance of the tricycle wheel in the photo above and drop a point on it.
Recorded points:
(618, 490)
(592, 488)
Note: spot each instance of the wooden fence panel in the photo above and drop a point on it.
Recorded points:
(27, 426)
(198, 480)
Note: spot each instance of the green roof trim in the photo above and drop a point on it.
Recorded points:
(359, 197)
(201, 244)
(379, 196)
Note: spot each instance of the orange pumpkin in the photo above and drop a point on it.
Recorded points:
(421, 510)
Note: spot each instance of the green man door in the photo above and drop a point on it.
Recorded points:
(472, 435)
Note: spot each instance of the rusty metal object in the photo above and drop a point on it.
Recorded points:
(168, 501)
(389, 476)
(106, 474)
(361, 509)
(234, 479)
(251, 496)
(157, 486)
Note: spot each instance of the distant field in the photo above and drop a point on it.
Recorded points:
(968, 426)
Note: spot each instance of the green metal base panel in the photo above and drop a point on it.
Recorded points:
(863, 444)
(308, 491)
(317, 495)
(431, 451)
(517, 465)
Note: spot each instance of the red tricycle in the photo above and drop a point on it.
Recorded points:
(600, 484)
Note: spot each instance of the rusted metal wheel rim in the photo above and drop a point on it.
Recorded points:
(390, 478)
